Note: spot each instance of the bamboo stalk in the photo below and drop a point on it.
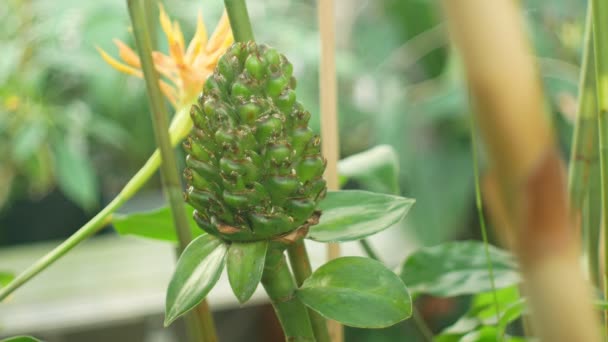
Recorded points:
(329, 119)
(201, 320)
(531, 176)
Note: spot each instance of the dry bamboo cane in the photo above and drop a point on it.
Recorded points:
(531, 176)
(329, 119)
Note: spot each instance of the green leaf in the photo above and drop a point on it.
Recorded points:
(482, 312)
(354, 214)
(358, 292)
(245, 266)
(75, 174)
(156, 224)
(21, 339)
(376, 169)
(5, 278)
(28, 139)
(198, 269)
(457, 268)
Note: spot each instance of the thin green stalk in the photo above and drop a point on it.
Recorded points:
(600, 40)
(239, 20)
(368, 249)
(202, 325)
(482, 221)
(160, 119)
(585, 129)
(585, 200)
(99, 221)
(281, 287)
(592, 222)
(300, 265)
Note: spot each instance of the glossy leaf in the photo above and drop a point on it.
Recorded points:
(354, 214)
(245, 265)
(5, 278)
(156, 224)
(457, 268)
(198, 269)
(358, 292)
(376, 169)
(21, 339)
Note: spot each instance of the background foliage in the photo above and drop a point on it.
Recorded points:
(72, 130)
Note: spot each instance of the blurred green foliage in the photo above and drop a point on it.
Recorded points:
(68, 120)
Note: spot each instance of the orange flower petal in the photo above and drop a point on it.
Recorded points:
(127, 55)
(169, 92)
(118, 65)
(218, 37)
(198, 41)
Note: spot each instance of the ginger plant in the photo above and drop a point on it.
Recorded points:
(255, 181)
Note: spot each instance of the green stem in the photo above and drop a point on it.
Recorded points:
(592, 223)
(239, 20)
(160, 119)
(482, 221)
(169, 168)
(300, 265)
(281, 288)
(99, 221)
(600, 40)
(585, 129)
(585, 200)
(369, 250)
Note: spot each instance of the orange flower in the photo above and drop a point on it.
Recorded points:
(185, 69)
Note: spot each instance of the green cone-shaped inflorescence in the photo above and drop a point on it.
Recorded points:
(254, 167)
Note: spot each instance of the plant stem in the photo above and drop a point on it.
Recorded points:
(369, 250)
(160, 119)
(329, 119)
(300, 265)
(169, 168)
(584, 168)
(281, 287)
(239, 20)
(600, 39)
(479, 205)
(99, 221)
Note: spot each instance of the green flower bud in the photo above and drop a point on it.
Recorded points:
(254, 168)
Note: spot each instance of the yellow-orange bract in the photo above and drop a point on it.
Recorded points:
(184, 69)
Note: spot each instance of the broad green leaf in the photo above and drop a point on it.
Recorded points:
(245, 265)
(5, 278)
(358, 292)
(376, 169)
(156, 224)
(75, 174)
(21, 339)
(198, 269)
(457, 268)
(354, 214)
